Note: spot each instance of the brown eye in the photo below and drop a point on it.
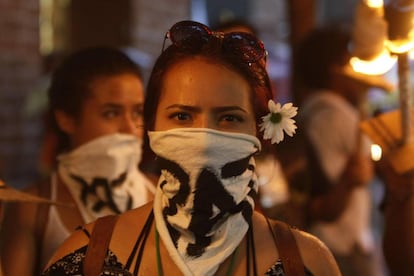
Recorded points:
(181, 116)
(231, 118)
(110, 114)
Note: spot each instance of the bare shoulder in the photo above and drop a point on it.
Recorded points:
(135, 216)
(316, 256)
(126, 226)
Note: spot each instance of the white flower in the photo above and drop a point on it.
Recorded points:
(278, 120)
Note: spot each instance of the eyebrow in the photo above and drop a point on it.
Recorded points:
(184, 107)
(117, 105)
(198, 109)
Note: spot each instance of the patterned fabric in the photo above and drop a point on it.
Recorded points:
(277, 270)
(103, 176)
(204, 201)
(72, 265)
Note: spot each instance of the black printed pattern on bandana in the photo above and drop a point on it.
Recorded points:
(209, 191)
(99, 182)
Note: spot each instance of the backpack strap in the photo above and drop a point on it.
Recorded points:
(98, 245)
(287, 248)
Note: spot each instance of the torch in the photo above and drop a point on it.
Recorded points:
(399, 16)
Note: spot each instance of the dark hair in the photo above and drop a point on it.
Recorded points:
(71, 81)
(254, 73)
(321, 49)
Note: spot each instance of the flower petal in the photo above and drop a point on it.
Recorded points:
(275, 130)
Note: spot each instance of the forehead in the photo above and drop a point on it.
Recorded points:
(198, 79)
(122, 87)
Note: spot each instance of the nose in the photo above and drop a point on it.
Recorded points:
(129, 125)
(205, 122)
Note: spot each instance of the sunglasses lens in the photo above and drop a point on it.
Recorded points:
(245, 45)
(192, 36)
(189, 34)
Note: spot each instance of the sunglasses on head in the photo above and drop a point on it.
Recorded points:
(193, 35)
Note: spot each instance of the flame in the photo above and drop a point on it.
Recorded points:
(377, 66)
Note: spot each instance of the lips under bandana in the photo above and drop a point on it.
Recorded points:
(204, 200)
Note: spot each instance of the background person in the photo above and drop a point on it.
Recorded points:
(95, 103)
(338, 154)
(397, 202)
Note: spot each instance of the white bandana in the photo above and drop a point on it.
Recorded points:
(203, 203)
(103, 176)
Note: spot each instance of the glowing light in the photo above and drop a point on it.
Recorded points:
(378, 66)
(374, 3)
(376, 152)
(401, 45)
(411, 54)
(399, 16)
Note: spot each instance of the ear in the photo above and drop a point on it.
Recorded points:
(65, 122)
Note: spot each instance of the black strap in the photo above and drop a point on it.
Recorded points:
(140, 244)
(250, 247)
(98, 245)
(288, 249)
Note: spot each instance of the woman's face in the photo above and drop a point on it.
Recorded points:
(199, 94)
(115, 105)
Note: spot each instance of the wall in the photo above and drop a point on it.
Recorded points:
(97, 22)
(19, 70)
(151, 22)
(20, 62)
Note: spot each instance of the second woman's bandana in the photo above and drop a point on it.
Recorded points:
(103, 177)
(204, 200)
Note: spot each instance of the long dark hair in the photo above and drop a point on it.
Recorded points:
(254, 73)
(71, 81)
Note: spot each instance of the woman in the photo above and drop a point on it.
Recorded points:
(95, 103)
(206, 96)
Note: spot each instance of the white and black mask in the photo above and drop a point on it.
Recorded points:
(103, 177)
(204, 200)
